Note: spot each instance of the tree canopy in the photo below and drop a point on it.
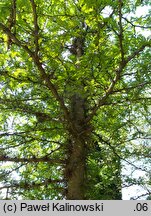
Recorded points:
(75, 98)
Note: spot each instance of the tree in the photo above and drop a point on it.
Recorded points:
(75, 79)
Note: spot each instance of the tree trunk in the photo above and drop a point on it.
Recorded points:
(75, 171)
(76, 150)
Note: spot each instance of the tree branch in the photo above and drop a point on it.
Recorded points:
(137, 52)
(136, 26)
(22, 107)
(23, 79)
(109, 91)
(140, 85)
(25, 185)
(30, 160)
(11, 22)
(120, 34)
(36, 27)
(101, 139)
(140, 196)
(37, 62)
(102, 101)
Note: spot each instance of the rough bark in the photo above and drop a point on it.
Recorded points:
(76, 146)
(75, 171)
(76, 150)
